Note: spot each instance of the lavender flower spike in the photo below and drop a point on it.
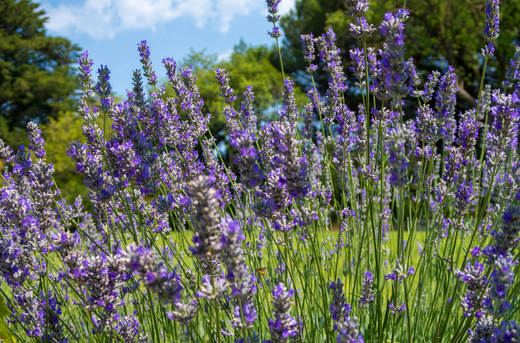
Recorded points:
(272, 8)
(242, 282)
(356, 8)
(367, 291)
(492, 20)
(205, 206)
(144, 53)
(273, 17)
(284, 325)
(346, 326)
(477, 290)
(393, 55)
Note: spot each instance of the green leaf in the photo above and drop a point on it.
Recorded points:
(4, 311)
(5, 333)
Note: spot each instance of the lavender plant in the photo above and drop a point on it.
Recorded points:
(320, 214)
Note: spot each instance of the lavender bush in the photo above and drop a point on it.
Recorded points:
(347, 225)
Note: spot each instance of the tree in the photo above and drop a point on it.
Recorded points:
(58, 133)
(438, 33)
(37, 80)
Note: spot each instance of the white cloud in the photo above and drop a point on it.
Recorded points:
(286, 6)
(225, 55)
(106, 18)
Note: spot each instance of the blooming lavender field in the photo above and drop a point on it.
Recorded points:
(333, 224)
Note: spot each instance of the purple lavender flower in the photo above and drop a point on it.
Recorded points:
(367, 291)
(272, 8)
(154, 275)
(488, 51)
(358, 67)
(397, 309)
(276, 33)
(502, 277)
(308, 47)
(240, 279)
(492, 20)
(477, 290)
(273, 17)
(468, 133)
(294, 168)
(346, 326)
(429, 86)
(503, 129)
(513, 69)
(232, 117)
(87, 88)
(247, 158)
(393, 58)
(103, 89)
(463, 198)
(128, 330)
(360, 28)
(284, 325)
(35, 137)
(211, 289)
(427, 125)
(290, 110)
(205, 207)
(398, 160)
(356, 8)
(184, 312)
(247, 113)
(331, 55)
(483, 330)
(40, 316)
(509, 331)
(144, 52)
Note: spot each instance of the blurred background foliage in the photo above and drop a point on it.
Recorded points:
(38, 79)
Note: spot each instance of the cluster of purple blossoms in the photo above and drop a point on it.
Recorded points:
(367, 292)
(158, 279)
(308, 52)
(499, 257)
(503, 131)
(398, 160)
(286, 157)
(358, 67)
(283, 326)
(513, 70)
(247, 158)
(273, 17)
(395, 68)
(361, 28)
(492, 20)
(331, 56)
(290, 110)
(206, 219)
(87, 88)
(356, 8)
(144, 52)
(346, 326)
(477, 290)
(240, 279)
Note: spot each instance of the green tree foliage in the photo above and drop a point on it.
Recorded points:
(58, 133)
(438, 33)
(36, 77)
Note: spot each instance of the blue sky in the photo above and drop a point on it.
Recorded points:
(111, 29)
